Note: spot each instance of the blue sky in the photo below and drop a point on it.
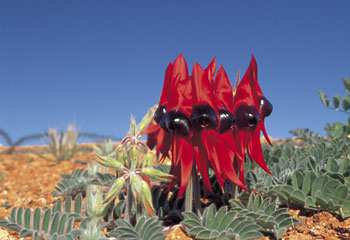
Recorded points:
(98, 62)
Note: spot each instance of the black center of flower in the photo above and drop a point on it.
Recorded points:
(204, 116)
(226, 120)
(265, 107)
(158, 115)
(176, 122)
(246, 116)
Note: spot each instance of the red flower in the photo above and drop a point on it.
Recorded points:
(198, 119)
(250, 108)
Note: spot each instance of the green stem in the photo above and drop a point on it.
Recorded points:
(129, 201)
(197, 195)
(189, 194)
(234, 192)
(193, 192)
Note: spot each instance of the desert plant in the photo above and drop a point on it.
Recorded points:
(221, 224)
(338, 129)
(146, 228)
(48, 223)
(77, 182)
(95, 209)
(106, 150)
(62, 145)
(265, 213)
(316, 192)
(135, 165)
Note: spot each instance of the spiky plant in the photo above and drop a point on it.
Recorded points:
(106, 149)
(134, 164)
(220, 225)
(145, 229)
(62, 145)
(95, 209)
(265, 213)
(47, 223)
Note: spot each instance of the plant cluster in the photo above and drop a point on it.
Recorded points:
(339, 104)
(206, 132)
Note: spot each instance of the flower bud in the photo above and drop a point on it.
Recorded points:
(115, 189)
(147, 198)
(146, 120)
(156, 174)
(110, 162)
(94, 205)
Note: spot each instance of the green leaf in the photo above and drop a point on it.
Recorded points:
(324, 98)
(68, 205)
(318, 184)
(226, 221)
(298, 197)
(328, 189)
(346, 103)
(208, 215)
(336, 101)
(20, 216)
(340, 194)
(36, 219)
(344, 166)
(252, 235)
(190, 223)
(204, 234)
(54, 223)
(297, 180)
(62, 224)
(27, 214)
(194, 231)
(219, 215)
(308, 180)
(78, 204)
(46, 221)
(346, 82)
(332, 165)
(191, 216)
(140, 223)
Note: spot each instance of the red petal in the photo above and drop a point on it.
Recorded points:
(201, 160)
(265, 133)
(246, 91)
(226, 156)
(255, 151)
(186, 156)
(203, 92)
(164, 96)
(223, 90)
(210, 148)
(180, 68)
(152, 127)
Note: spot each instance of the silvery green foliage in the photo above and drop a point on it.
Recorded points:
(62, 145)
(221, 224)
(78, 180)
(106, 149)
(338, 129)
(316, 154)
(145, 229)
(316, 192)
(265, 213)
(47, 223)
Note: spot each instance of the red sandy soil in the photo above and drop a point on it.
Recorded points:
(29, 181)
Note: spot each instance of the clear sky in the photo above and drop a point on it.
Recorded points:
(98, 62)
